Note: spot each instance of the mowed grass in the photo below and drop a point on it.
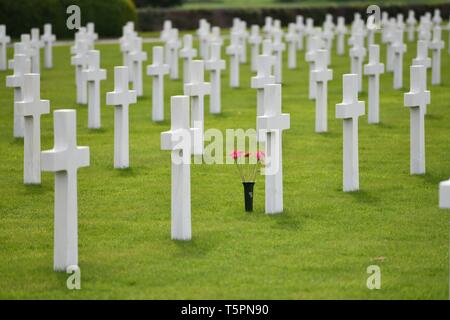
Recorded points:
(319, 247)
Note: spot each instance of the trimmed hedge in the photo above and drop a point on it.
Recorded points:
(151, 19)
(109, 16)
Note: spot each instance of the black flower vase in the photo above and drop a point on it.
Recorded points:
(248, 195)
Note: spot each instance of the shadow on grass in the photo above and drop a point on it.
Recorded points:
(31, 189)
(383, 125)
(431, 178)
(286, 221)
(126, 172)
(16, 142)
(193, 248)
(434, 117)
(97, 131)
(363, 196)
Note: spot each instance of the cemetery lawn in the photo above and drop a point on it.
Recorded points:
(320, 247)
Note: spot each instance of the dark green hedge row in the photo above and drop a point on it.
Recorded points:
(109, 16)
(151, 19)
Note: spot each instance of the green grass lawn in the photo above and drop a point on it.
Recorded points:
(319, 247)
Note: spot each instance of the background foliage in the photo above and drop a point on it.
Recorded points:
(108, 15)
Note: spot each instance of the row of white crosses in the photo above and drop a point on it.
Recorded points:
(64, 159)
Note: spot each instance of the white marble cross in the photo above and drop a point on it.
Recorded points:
(215, 64)
(178, 141)
(310, 57)
(422, 55)
(398, 49)
(4, 40)
(64, 160)
(437, 19)
(92, 76)
(243, 36)
(300, 30)
(165, 32)
(80, 60)
(291, 39)
(187, 53)
(417, 99)
(91, 35)
(126, 43)
(157, 70)
(31, 108)
(278, 46)
(173, 44)
(436, 45)
(16, 81)
(137, 56)
(29, 49)
(444, 194)
(411, 22)
(328, 36)
(424, 29)
(121, 98)
(341, 31)
(234, 50)
(349, 110)
(321, 76)
(271, 124)
(19, 48)
(389, 39)
(357, 54)
(203, 32)
(48, 38)
(373, 69)
(267, 28)
(197, 89)
(255, 40)
(36, 44)
(263, 77)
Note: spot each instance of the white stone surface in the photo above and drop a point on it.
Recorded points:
(92, 75)
(278, 46)
(197, 89)
(80, 61)
(177, 140)
(357, 55)
(341, 31)
(121, 98)
(47, 39)
(300, 30)
(187, 53)
(4, 40)
(350, 110)
(263, 77)
(215, 65)
(234, 50)
(436, 45)
(173, 45)
(64, 160)
(411, 23)
(321, 75)
(373, 69)
(157, 70)
(31, 108)
(291, 39)
(255, 41)
(137, 56)
(22, 66)
(417, 99)
(398, 49)
(444, 194)
(36, 44)
(271, 124)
